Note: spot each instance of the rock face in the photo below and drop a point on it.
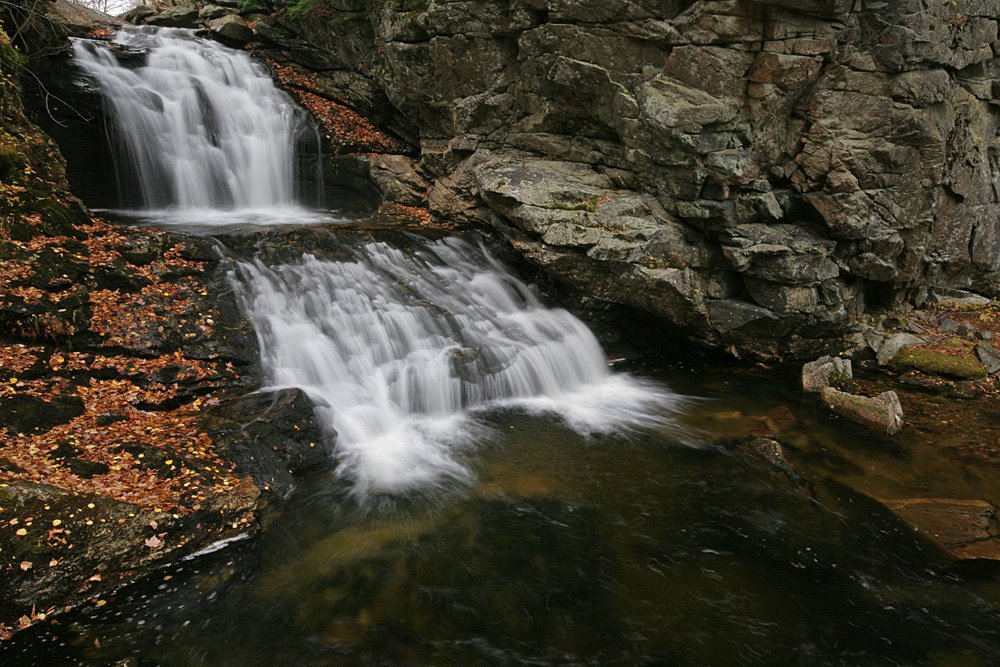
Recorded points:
(762, 173)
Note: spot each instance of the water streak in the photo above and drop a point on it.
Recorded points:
(198, 125)
(396, 347)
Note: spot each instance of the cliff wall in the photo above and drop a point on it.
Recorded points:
(765, 174)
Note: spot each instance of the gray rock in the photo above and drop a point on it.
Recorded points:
(989, 356)
(139, 14)
(826, 372)
(397, 179)
(882, 414)
(232, 29)
(780, 253)
(874, 340)
(783, 298)
(893, 344)
(731, 314)
(209, 12)
(952, 298)
(947, 324)
(183, 16)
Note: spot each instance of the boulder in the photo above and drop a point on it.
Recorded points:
(209, 12)
(882, 414)
(182, 16)
(826, 372)
(231, 29)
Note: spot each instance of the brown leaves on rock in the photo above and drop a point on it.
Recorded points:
(398, 214)
(171, 465)
(345, 129)
(17, 358)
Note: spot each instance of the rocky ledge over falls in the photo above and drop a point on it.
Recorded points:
(767, 174)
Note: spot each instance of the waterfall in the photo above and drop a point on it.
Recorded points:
(197, 125)
(399, 349)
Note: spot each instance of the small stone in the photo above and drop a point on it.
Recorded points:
(892, 345)
(825, 372)
(989, 356)
(883, 413)
(874, 340)
(948, 324)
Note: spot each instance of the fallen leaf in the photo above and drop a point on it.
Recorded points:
(26, 565)
(154, 542)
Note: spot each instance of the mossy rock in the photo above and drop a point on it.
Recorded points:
(11, 160)
(936, 362)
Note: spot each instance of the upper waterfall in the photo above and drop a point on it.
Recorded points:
(198, 125)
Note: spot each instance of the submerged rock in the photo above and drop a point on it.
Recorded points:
(966, 529)
(882, 413)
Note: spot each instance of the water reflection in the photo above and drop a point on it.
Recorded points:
(608, 551)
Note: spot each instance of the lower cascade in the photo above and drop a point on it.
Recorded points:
(198, 125)
(399, 350)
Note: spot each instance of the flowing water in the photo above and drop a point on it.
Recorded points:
(502, 498)
(396, 348)
(199, 127)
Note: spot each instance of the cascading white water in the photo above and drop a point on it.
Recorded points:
(199, 126)
(394, 348)
(398, 350)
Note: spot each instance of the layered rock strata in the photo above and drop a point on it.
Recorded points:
(764, 174)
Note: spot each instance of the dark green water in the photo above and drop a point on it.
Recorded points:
(651, 549)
